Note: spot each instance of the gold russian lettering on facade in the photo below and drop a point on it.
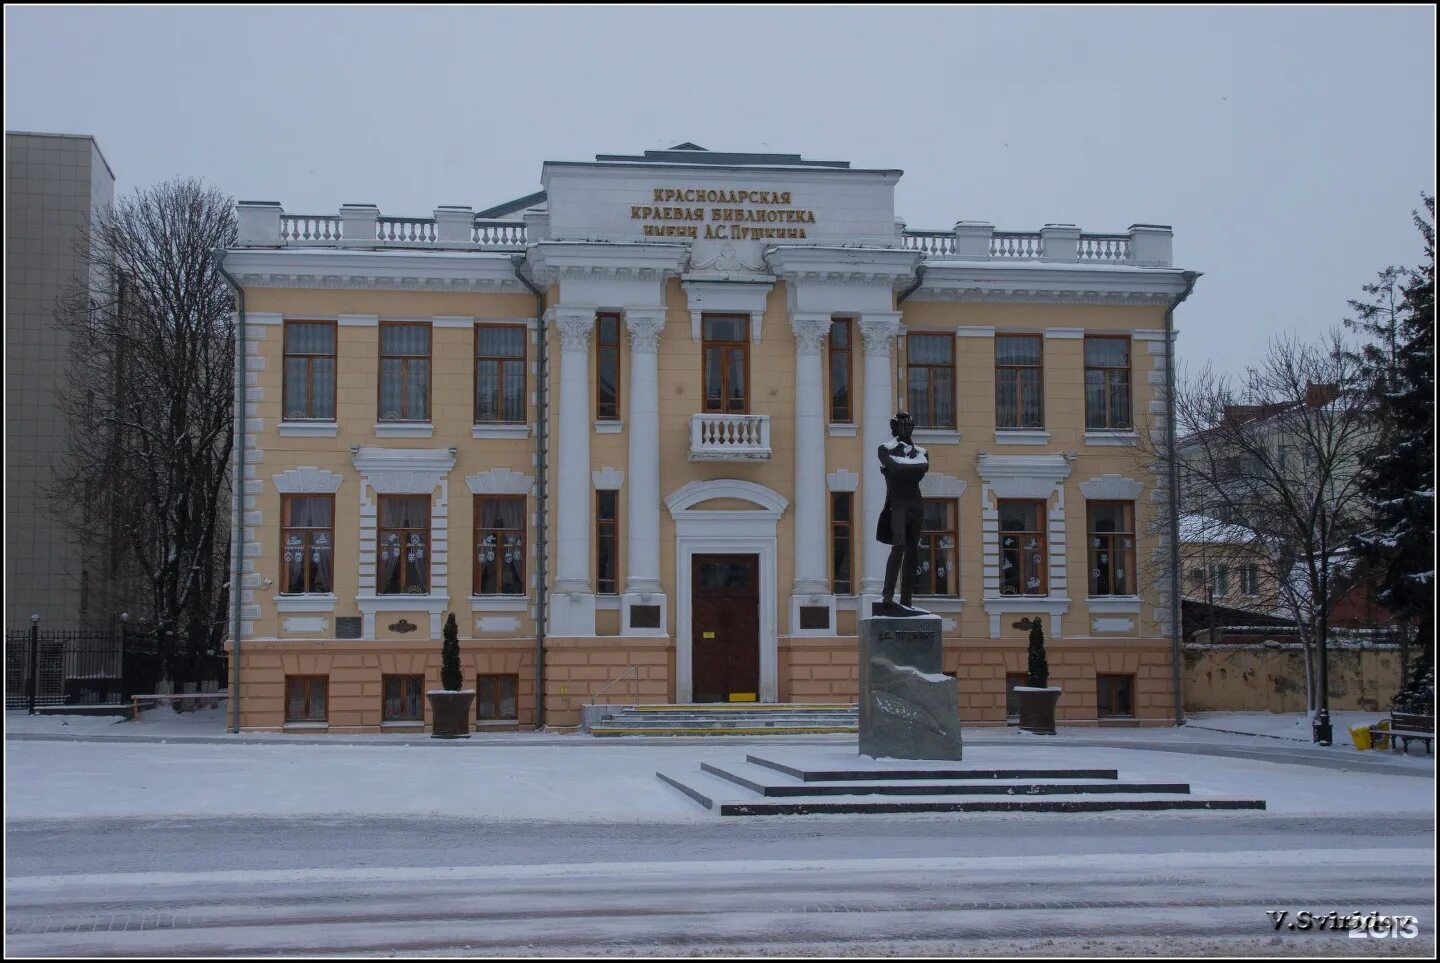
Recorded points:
(726, 222)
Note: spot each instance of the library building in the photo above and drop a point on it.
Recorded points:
(625, 428)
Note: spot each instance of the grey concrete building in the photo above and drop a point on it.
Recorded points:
(55, 184)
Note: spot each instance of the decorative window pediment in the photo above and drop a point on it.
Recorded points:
(499, 481)
(307, 481)
(1112, 488)
(936, 485)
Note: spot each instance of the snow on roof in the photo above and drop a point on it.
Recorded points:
(1203, 528)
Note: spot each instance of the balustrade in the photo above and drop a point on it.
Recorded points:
(729, 437)
(309, 228)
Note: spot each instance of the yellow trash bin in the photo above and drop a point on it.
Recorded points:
(1380, 741)
(1361, 737)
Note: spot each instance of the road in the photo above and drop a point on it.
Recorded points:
(1102, 885)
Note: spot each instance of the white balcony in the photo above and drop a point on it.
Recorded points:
(729, 437)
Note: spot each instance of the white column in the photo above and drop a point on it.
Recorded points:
(878, 329)
(811, 586)
(811, 331)
(572, 605)
(642, 518)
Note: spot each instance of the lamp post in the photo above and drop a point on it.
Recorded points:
(34, 662)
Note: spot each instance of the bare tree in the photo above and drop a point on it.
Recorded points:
(1272, 459)
(150, 407)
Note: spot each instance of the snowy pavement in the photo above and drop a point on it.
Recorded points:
(1176, 902)
(178, 839)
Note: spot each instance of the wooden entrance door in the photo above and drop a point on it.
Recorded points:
(725, 627)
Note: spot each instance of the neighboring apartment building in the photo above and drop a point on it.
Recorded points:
(728, 336)
(55, 185)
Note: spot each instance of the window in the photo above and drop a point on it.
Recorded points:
(499, 544)
(1107, 383)
(931, 379)
(1219, 581)
(841, 412)
(403, 695)
(607, 367)
(495, 698)
(1115, 696)
(727, 364)
(935, 565)
(305, 698)
(607, 542)
(842, 542)
(1112, 547)
(1250, 580)
(309, 371)
(1022, 548)
(1012, 704)
(1019, 382)
(500, 373)
(404, 541)
(404, 372)
(307, 544)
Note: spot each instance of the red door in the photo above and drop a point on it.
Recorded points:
(725, 627)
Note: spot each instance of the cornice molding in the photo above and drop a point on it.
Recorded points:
(1039, 283)
(867, 266)
(374, 271)
(552, 261)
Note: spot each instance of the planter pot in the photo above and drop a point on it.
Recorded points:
(1037, 708)
(450, 713)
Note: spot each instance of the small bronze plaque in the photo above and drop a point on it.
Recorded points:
(645, 616)
(347, 627)
(403, 627)
(814, 617)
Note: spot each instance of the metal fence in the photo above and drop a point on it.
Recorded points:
(78, 668)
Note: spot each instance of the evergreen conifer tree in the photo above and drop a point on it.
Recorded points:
(1399, 482)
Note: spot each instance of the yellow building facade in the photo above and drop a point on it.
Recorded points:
(640, 410)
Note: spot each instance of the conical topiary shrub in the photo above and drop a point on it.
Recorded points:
(450, 705)
(1037, 698)
(450, 676)
(1038, 672)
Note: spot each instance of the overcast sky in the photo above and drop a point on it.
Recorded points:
(1287, 146)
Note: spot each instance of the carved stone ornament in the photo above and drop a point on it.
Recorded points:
(403, 627)
(644, 330)
(879, 335)
(575, 330)
(727, 262)
(810, 334)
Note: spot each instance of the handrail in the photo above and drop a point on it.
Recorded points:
(634, 693)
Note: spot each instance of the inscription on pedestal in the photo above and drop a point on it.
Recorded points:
(908, 709)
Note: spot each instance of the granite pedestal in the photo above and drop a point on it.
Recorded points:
(908, 708)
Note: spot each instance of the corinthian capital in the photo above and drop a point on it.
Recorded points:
(645, 326)
(575, 326)
(810, 330)
(879, 331)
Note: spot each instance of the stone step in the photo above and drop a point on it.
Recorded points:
(839, 718)
(717, 795)
(926, 772)
(952, 787)
(745, 707)
(612, 731)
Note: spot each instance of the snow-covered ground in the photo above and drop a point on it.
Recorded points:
(532, 776)
(1282, 725)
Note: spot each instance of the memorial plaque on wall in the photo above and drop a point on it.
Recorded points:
(347, 627)
(645, 616)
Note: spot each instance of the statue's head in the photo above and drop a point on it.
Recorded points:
(902, 424)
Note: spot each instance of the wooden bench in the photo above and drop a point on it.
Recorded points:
(170, 697)
(1406, 726)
